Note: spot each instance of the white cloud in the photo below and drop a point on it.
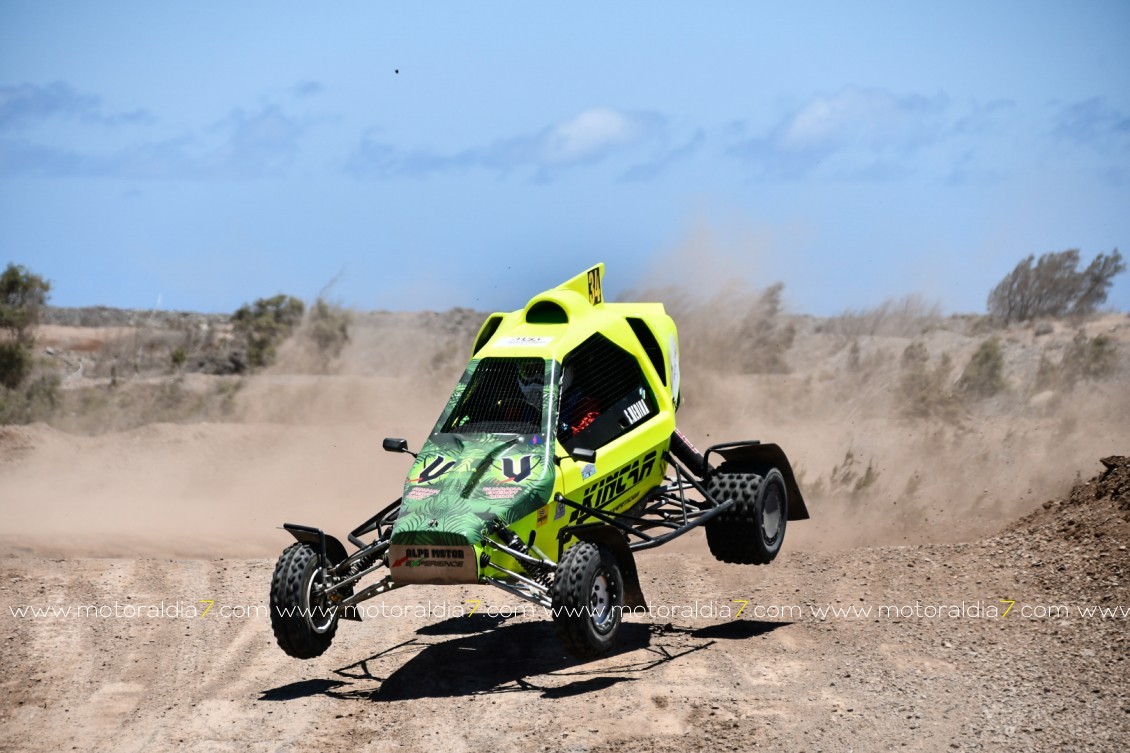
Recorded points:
(590, 133)
(588, 137)
(863, 133)
(862, 117)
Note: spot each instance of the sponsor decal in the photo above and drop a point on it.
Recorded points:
(588, 471)
(636, 412)
(690, 444)
(559, 511)
(501, 492)
(431, 556)
(435, 469)
(519, 472)
(596, 296)
(433, 564)
(421, 492)
(525, 342)
(543, 515)
(616, 484)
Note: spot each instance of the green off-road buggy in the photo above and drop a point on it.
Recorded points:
(555, 460)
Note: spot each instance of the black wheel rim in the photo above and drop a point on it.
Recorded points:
(772, 513)
(319, 615)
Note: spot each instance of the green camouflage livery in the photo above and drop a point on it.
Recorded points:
(462, 483)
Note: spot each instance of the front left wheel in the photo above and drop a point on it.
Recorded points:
(588, 599)
(304, 623)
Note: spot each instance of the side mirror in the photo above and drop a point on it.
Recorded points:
(583, 454)
(393, 444)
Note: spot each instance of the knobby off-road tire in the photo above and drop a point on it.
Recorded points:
(588, 599)
(303, 626)
(752, 531)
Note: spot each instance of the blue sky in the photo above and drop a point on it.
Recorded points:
(205, 154)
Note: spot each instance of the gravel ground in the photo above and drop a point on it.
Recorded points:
(913, 673)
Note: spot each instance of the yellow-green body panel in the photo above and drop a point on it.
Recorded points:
(456, 490)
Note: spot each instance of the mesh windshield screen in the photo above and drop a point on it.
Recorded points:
(504, 396)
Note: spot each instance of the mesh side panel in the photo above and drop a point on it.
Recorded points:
(603, 380)
(494, 401)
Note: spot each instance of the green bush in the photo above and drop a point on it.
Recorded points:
(264, 324)
(22, 297)
(15, 364)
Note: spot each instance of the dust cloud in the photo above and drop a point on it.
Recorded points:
(300, 442)
(874, 467)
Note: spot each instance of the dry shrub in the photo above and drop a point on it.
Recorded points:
(98, 409)
(909, 316)
(317, 345)
(1091, 359)
(37, 400)
(863, 366)
(140, 352)
(736, 331)
(984, 374)
(846, 475)
(327, 327)
(1047, 373)
(1085, 359)
(923, 392)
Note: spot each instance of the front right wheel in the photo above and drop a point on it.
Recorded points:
(588, 599)
(304, 623)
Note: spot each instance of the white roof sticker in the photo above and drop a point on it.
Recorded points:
(525, 342)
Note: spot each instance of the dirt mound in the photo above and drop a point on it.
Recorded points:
(1090, 510)
(1114, 484)
(1074, 549)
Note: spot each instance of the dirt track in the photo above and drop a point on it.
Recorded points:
(678, 682)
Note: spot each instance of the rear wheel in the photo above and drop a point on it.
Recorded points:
(304, 624)
(750, 532)
(588, 599)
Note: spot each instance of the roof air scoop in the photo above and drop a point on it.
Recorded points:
(546, 312)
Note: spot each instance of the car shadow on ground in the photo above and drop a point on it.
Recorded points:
(511, 658)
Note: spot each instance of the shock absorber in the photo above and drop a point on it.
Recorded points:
(687, 454)
(540, 574)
